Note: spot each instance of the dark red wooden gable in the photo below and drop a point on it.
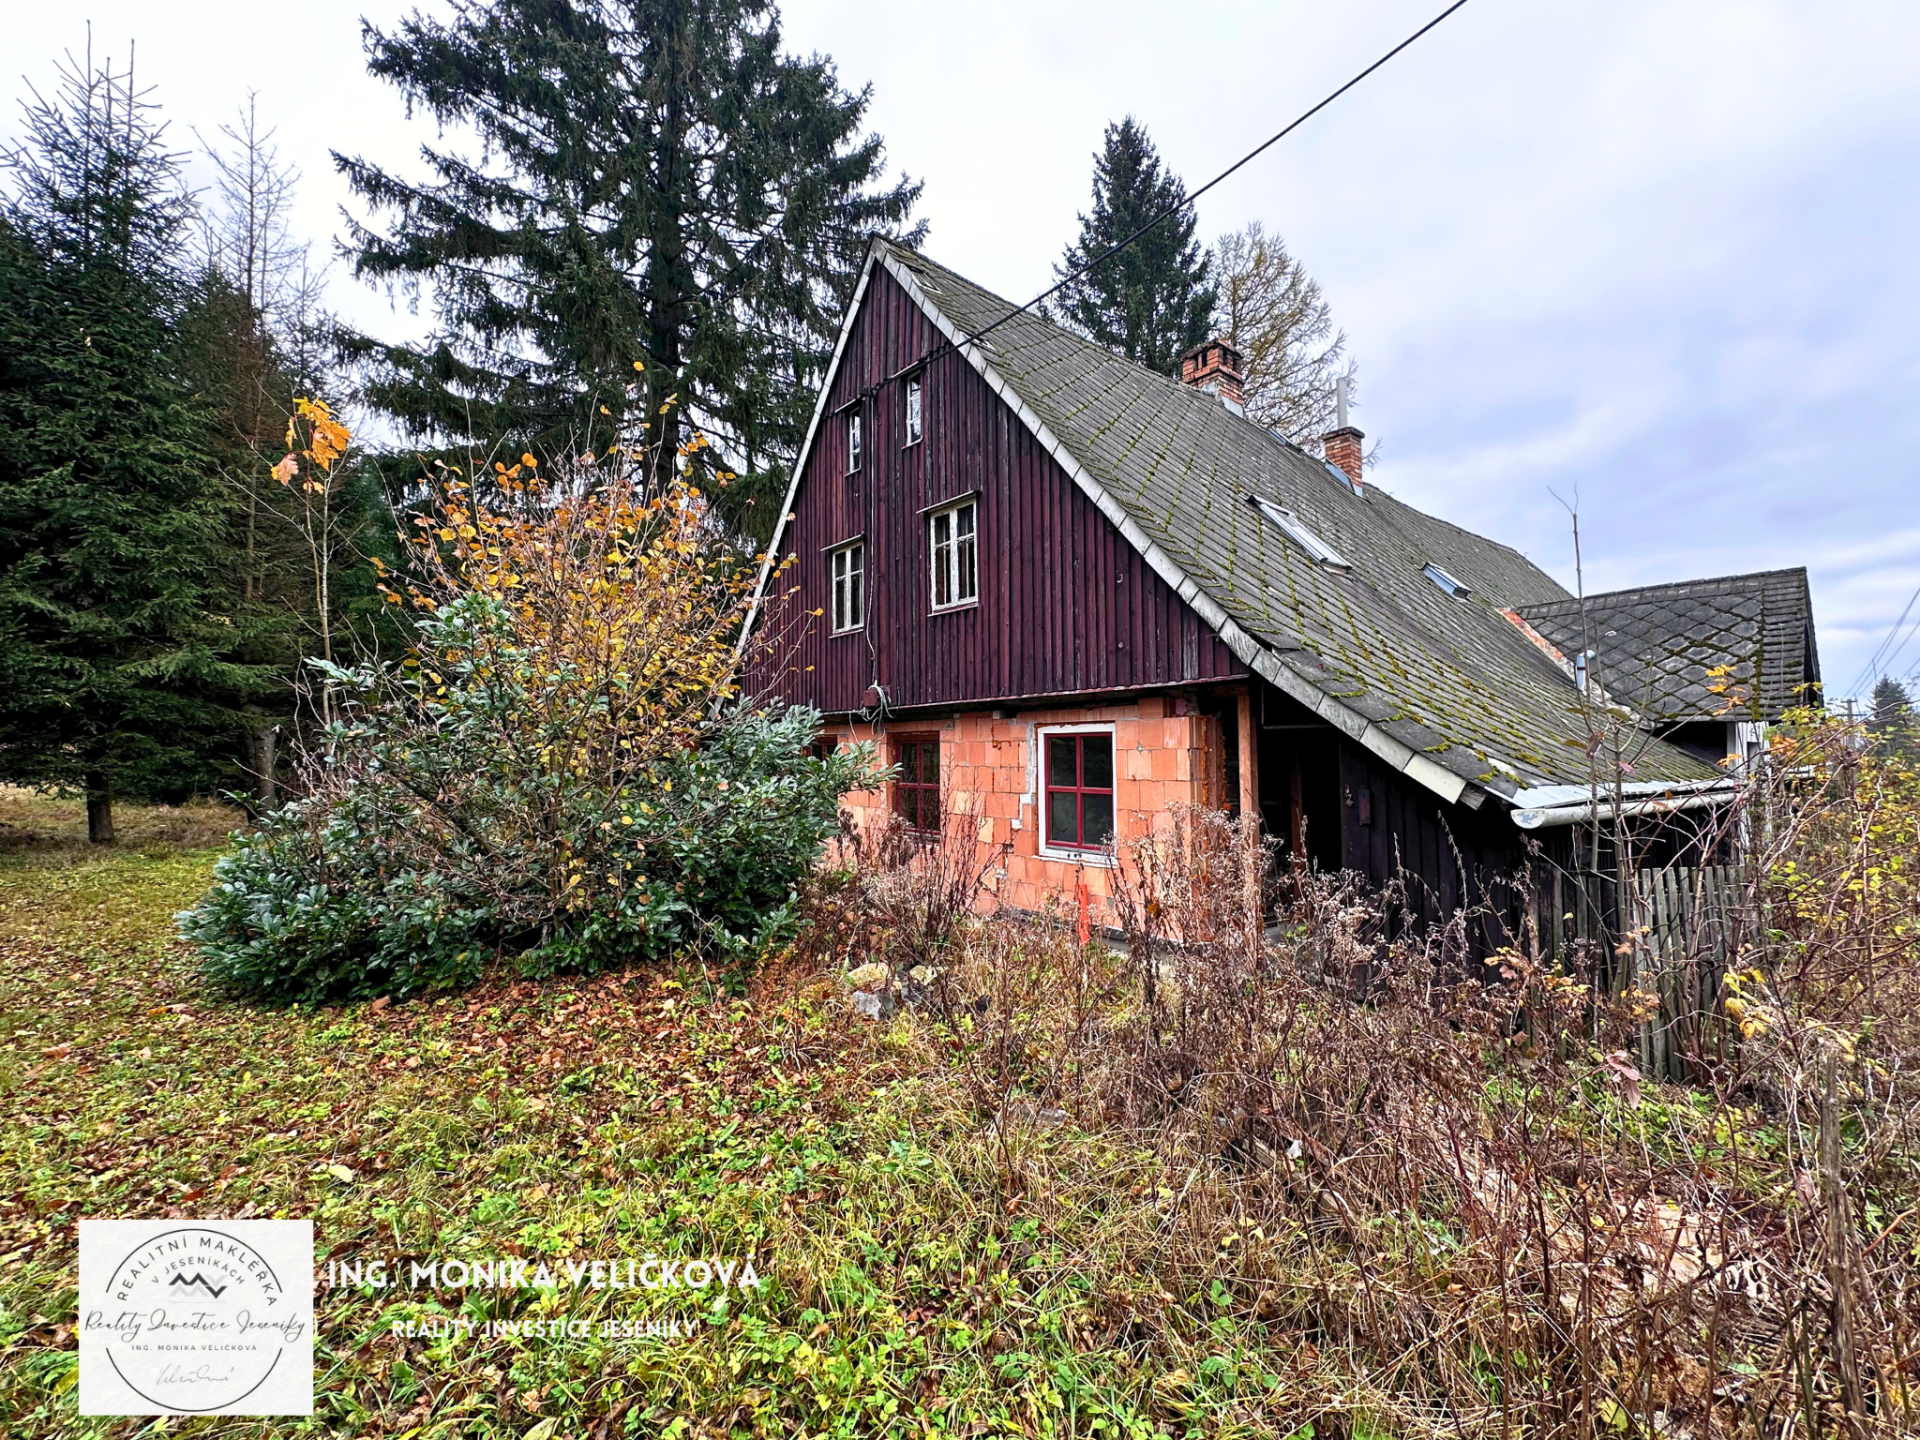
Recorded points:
(1066, 606)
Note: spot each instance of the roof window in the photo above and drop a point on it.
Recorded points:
(1290, 525)
(1445, 581)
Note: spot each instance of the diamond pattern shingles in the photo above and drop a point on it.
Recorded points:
(1450, 677)
(1655, 645)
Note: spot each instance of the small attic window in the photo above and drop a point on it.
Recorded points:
(1290, 525)
(1445, 581)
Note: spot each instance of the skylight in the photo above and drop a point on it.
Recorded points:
(1445, 581)
(1290, 525)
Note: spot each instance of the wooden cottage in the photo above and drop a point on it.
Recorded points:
(1064, 592)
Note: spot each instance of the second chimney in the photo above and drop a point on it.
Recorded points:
(1215, 366)
(1342, 443)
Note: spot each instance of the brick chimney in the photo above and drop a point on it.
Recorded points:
(1342, 443)
(1215, 366)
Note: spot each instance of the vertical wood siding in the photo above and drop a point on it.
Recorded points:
(1066, 605)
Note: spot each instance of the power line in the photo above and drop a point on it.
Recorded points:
(1871, 668)
(1193, 195)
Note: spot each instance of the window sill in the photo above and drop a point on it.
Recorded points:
(950, 609)
(1092, 859)
(843, 634)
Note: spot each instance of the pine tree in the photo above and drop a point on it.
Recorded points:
(662, 222)
(1895, 729)
(1151, 302)
(115, 667)
(1273, 313)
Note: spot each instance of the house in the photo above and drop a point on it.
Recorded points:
(1707, 664)
(1062, 592)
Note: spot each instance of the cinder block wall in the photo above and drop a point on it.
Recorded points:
(990, 770)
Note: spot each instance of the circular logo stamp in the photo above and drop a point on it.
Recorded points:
(200, 1318)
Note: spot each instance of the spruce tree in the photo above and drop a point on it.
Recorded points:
(1894, 728)
(656, 230)
(1152, 302)
(115, 664)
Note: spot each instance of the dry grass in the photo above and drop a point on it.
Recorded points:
(34, 823)
(1458, 1206)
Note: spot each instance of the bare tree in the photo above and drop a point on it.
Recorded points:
(258, 341)
(1273, 313)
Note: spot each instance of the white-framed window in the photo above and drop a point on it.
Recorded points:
(1446, 582)
(854, 438)
(1292, 527)
(915, 428)
(1076, 791)
(954, 543)
(848, 567)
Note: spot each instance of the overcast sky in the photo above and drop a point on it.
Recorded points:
(1661, 254)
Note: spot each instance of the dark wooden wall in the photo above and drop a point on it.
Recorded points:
(1066, 604)
(1362, 815)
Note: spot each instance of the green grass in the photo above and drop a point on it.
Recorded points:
(669, 1114)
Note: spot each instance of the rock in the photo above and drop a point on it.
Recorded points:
(870, 1003)
(871, 976)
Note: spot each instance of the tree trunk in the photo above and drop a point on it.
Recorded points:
(270, 767)
(99, 809)
(264, 736)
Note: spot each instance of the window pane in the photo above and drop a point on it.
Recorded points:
(963, 520)
(853, 441)
(966, 581)
(943, 559)
(1060, 761)
(913, 411)
(1096, 818)
(856, 601)
(1096, 762)
(1062, 818)
(930, 762)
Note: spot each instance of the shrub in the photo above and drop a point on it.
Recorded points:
(335, 897)
(561, 768)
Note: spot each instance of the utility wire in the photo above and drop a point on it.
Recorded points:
(1193, 195)
(1871, 669)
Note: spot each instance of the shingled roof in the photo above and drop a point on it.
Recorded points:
(1444, 687)
(1655, 645)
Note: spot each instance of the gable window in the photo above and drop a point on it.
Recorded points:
(1445, 581)
(954, 544)
(914, 427)
(849, 571)
(853, 443)
(1292, 527)
(1079, 784)
(916, 793)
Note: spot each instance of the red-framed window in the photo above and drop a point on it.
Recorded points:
(916, 793)
(824, 745)
(1080, 790)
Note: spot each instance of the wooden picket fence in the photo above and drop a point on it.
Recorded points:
(1690, 920)
(1686, 924)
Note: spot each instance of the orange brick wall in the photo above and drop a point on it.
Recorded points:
(989, 770)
